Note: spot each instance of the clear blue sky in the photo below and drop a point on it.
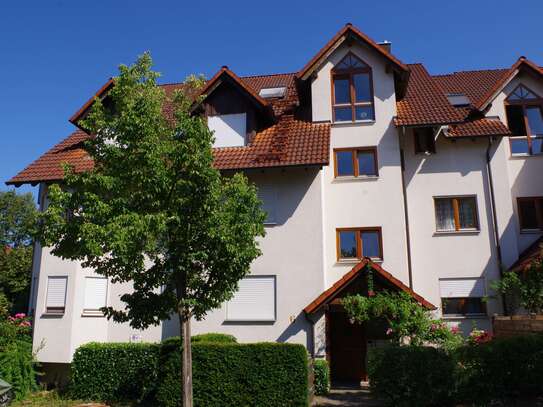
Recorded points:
(57, 53)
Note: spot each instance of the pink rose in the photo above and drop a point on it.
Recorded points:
(20, 315)
(389, 331)
(455, 330)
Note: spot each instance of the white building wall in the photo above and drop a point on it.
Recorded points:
(363, 202)
(458, 168)
(524, 172)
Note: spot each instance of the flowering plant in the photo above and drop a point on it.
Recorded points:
(478, 336)
(18, 325)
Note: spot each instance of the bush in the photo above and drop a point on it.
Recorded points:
(411, 375)
(114, 371)
(503, 368)
(321, 373)
(227, 374)
(214, 337)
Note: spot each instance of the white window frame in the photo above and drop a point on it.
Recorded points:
(270, 319)
(55, 309)
(95, 311)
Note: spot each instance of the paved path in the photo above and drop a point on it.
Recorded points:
(348, 396)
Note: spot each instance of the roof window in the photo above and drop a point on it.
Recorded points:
(458, 99)
(267, 93)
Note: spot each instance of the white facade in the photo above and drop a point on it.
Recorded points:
(307, 205)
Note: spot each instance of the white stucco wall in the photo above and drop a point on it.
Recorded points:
(524, 172)
(363, 202)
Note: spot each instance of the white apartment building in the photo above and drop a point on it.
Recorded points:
(360, 161)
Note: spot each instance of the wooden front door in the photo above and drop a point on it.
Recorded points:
(347, 347)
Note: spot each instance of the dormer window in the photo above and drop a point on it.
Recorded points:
(524, 111)
(352, 91)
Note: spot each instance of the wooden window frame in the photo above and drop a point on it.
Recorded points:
(538, 211)
(354, 158)
(349, 74)
(359, 249)
(456, 213)
(525, 103)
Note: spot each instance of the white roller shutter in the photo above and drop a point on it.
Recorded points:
(95, 293)
(229, 129)
(268, 195)
(254, 301)
(462, 287)
(56, 291)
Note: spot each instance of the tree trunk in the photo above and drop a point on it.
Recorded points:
(186, 360)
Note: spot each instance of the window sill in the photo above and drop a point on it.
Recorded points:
(355, 123)
(457, 232)
(362, 178)
(270, 224)
(92, 314)
(531, 231)
(520, 156)
(52, 315)
(356, 261)
(250, 321)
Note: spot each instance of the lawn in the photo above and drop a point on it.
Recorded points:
(51, 399)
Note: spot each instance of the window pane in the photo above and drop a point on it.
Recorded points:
(362, 87)
(347, 244)
(527, 214)
(462, 306)
(519, 146)
(343, 114)
(370, 244)
(537, 146)
(515, 120)
(342, 92)
(344, 162)
(363, 113)
(466, 209)
(535, 120)
(444, 215)
(366, 163)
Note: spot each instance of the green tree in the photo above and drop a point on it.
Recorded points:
(17, 224)
(154, 211)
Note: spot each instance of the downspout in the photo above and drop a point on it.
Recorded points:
(494, 217)
(406, 212)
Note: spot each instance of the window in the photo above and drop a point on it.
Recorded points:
(530, 212)
(268, 93)
(352, 90)
(425, 141)
(524, 113)
(55, 302)
(357, 243)
(268, 195)
(229, 129)
(95, 294)
(254, 300)
(458, 99)
(356, 162)
(456, 214)
(462, 296)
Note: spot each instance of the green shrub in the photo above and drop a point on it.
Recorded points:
(321, 372)
(17, 367)
(504, 368)
(214, 337)
(114, 371)
(411, 375)
(227, 374)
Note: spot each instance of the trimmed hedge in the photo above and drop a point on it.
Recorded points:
(411, 375)
(114, 371)
(261, 374)
(321, 372)
(502, 369)
(224, 374)
(214, 337)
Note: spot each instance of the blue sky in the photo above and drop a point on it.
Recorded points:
(57, 53)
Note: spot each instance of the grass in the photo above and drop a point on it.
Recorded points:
(46, 399)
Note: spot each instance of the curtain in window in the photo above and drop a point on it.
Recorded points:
(444, 214)
(466, 213)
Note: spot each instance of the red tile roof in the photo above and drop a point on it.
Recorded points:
(349, 277)
(289, 142)
(424, 102)
(340, 36)
(478, 128)
(533, 253)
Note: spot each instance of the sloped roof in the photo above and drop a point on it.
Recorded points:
(331, 293)
(424, 102)
(527, 257)
(478, 128)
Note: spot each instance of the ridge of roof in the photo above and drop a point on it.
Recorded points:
(468, 71)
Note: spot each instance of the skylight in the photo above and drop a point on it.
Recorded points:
(273, 92)
(458, 99)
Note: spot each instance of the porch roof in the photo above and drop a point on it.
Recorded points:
(331, 293)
